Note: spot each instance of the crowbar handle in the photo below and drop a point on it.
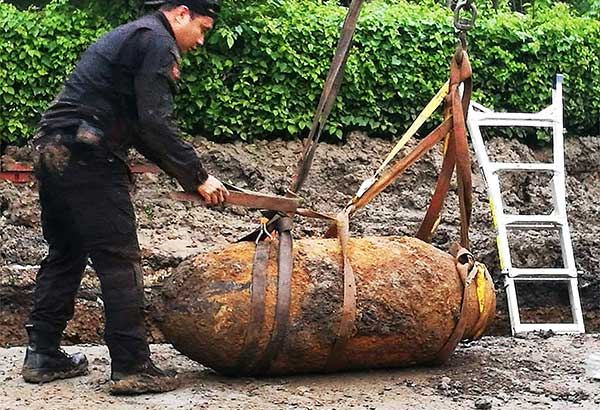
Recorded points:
(247, 199)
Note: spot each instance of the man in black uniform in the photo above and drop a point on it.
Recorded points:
(119, 96)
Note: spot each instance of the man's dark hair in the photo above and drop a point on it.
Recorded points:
(209, 8)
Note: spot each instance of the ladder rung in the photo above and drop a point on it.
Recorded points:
(551, 120)
(522, 166)
(532, 221)
(555, 327)
(549, 274)
(545, 115)
(508, 122)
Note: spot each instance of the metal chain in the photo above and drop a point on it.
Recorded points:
(465, 14)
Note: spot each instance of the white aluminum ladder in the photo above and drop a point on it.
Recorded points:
(550, 117)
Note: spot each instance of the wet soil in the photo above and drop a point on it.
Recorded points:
(170, 231)
(530, 373)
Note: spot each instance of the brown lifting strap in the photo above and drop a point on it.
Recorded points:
(249, 356)
(328, 95)
(283, 223)
(326, 102)
(456, 154)
(464, 264)
(252, 360)
(348, 315)
(282, 309)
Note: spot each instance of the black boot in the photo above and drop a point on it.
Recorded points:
(146, 378)
(44, 361)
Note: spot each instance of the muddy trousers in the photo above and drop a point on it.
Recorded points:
(87, 213)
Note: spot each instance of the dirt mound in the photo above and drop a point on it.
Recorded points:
(170, 231)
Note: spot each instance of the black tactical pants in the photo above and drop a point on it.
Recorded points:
(87, 213)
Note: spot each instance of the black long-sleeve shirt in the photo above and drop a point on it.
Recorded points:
(123, 87)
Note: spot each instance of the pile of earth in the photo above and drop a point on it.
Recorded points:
(170, 231)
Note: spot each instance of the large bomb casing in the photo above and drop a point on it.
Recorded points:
(408, 302)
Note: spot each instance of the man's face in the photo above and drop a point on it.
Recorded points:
(191, 31)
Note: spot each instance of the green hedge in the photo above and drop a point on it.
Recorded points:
(515, 59)
(261, 73)
(37, 50)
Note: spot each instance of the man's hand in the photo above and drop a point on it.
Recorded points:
(213, 191)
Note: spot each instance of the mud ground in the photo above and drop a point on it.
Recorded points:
(495, 372)
(517, 371)
(536, 372)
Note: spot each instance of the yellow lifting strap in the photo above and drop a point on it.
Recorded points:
(423, 116)
(480, 280)
(419, 121)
